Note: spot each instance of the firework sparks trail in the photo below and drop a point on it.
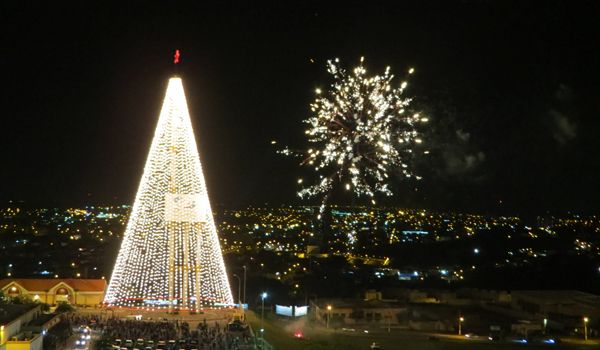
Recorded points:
(361, 131)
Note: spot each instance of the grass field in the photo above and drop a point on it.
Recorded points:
(280, 334)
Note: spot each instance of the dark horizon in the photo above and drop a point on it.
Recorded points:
(510, 89)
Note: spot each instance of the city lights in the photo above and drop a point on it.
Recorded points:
(361, 175)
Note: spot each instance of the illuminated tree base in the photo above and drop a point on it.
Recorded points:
(167, 305)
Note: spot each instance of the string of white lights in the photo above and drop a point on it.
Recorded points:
(170, 257)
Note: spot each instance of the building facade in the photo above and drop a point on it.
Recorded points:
(82, 292)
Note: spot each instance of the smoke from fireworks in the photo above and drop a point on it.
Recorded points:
(361, 132)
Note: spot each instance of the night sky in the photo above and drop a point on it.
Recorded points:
(512, 90)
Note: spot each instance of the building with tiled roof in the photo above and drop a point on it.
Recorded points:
(89, 292)
(12, 320)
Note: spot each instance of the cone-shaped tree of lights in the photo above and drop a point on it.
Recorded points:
(170, 257)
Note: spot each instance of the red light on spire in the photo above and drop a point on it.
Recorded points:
(176, 57)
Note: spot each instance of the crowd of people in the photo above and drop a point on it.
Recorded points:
(115, 328)
(204, 336)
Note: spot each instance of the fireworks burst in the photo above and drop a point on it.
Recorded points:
(361, 131)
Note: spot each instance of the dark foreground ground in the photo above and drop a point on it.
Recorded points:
(280, 334)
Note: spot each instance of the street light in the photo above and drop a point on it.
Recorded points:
(585, 324)
(244, 284)
(239, 288)
(460, 321)
(328, 314)
(545, 324)
(263, 296)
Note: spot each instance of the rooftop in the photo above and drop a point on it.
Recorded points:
(9, 312)
(41, 319)
(560, 297)
(358, 303)
(45, 284)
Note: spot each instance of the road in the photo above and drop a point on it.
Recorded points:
(72, 342)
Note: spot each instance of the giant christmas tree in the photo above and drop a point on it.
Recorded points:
(170, 257)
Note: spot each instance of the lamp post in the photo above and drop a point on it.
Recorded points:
(244, 284)
(239, 288)
(460, 321)
(328, 314)
(585, 325)
(263, 296)
(545, 324)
